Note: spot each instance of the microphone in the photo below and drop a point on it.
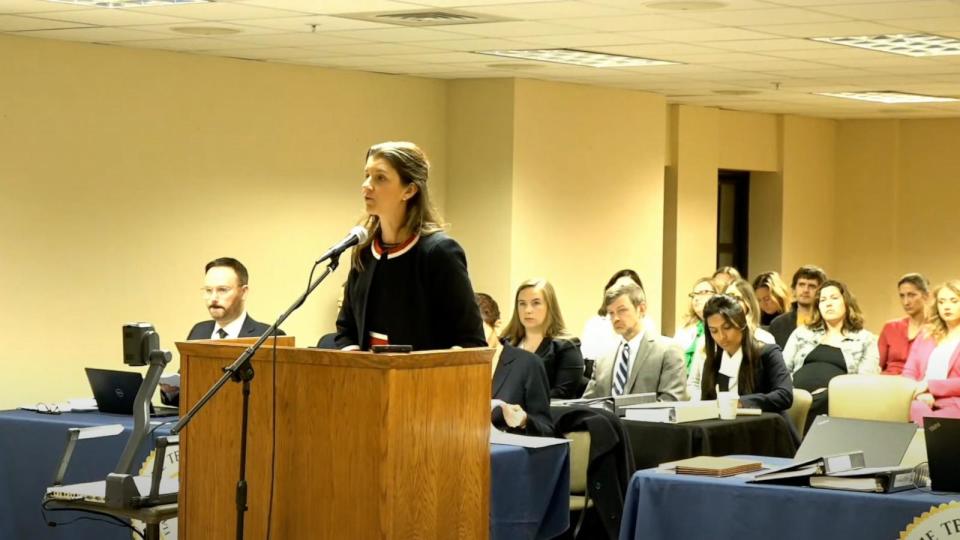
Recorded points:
(357, 235)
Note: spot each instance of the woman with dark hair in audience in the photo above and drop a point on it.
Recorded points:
(743, 292)
(737, 362)
(898, 335)
(724, 276)
(773, 295)
(598, 336)
(408, 281)
(520, 390)
(934, 359)
(537, 326)
(833, 343)
(690, 336)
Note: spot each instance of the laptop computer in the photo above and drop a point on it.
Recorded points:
(115, 392)
(883, 443)
(943, 440)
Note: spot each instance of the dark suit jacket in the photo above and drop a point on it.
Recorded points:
(203, 330)
(440, 312)
(250, 328)
(783, 326)
(521, 380)
(774, 392)
(564, 365)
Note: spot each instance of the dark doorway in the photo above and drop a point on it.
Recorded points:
(733, 212)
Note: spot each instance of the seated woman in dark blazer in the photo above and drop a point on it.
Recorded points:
(537, 326)
(520, 383)
(737, 362)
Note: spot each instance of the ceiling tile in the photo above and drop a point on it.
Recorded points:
(894, 10)
(315, 23)
(593, 39)
(93, 34)
(631, 23)
(855, 28)
(331, 6)
(398, 34)
(184, 44)
(702, 34)
(114, 17)
(549, 10)
(14, 23)
(476, 44)
(37, 6)
(761, 16)
(219, 11)
(512, 29)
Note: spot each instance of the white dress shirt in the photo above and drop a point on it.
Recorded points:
(232, 329)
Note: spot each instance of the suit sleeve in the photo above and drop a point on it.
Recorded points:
(673, 378)
(569, 363)
(454, 306)
(537, 400)
(775, 388)
(346, 322)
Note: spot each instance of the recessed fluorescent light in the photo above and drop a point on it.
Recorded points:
(905, 44)
(887, 97)
(128, 3)
(577, 58)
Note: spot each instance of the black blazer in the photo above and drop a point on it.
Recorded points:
(564, 365)
(774, 392)
(784, 325)
(203, 330)
(521, 380)
(441, 311)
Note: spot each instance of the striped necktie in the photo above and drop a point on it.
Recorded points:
(622, 372)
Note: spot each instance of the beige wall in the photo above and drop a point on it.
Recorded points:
(896, 195)
(588, 191)
(125, 170)
(480, 196)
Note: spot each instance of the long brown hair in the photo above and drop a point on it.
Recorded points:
(691, 315)
(412, 167)
(554, 326)
(729, 308)
(778, 289)
(852, 317)
(936, 326)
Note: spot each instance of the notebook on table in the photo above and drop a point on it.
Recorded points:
(718, 467)
(115, 392)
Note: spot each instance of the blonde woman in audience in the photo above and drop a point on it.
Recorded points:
(724, 276)
(773, 295)
(537, 326)
(934, 360)
(598, 337)
(898, 335)
(690, 336)
(833, 343)
(743, 292)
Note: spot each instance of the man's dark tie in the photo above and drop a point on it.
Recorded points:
(222, 333)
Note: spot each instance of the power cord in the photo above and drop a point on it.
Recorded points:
(113, 520)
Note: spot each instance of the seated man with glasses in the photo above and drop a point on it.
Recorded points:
(224, 290)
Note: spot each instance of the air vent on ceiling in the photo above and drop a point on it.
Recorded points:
(430, 17)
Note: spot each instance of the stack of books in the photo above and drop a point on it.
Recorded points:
(717, 467)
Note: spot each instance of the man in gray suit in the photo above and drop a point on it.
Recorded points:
(643, 362)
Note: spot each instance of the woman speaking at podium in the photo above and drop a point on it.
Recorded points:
(408, 282)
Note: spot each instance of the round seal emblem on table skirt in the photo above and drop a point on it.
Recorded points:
(939, 523)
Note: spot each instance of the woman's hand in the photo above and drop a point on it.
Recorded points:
(927, 399)
(514, 415)
(920, 389)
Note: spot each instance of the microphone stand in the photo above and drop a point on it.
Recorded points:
(242, 371)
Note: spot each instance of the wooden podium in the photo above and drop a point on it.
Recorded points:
(367, 446)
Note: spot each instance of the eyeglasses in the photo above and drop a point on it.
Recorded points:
(48, 408)
(210, 292)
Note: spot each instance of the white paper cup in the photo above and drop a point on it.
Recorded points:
(727, 403)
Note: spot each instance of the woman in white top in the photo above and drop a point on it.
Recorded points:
(743, 292)
(690, 336)
(934, 359)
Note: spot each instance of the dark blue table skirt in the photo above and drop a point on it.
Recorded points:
(31, 445)
(661, 506)
(529, 492)
(529, 487)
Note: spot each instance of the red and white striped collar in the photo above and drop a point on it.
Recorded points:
(378, 250)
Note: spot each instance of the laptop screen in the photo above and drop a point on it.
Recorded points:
(883, 443)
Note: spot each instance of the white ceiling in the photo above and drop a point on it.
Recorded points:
(753, 46)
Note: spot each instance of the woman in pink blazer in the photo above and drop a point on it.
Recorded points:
(934, 359)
